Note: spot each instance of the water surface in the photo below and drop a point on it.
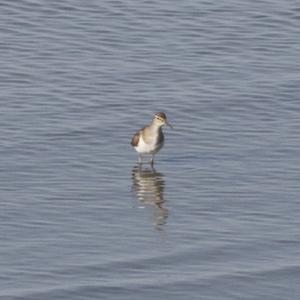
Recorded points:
(218, 216)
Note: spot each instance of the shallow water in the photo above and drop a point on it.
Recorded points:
(217, 218)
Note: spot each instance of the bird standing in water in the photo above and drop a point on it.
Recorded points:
(150, 139)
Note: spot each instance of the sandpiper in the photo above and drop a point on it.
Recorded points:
(150, 139)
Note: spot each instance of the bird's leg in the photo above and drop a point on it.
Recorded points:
(152, 160)
(140, 159)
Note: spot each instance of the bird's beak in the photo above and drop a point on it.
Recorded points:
(167, 123)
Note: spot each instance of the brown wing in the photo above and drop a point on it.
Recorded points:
(135, 139)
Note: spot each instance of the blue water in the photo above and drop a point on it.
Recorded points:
(218, 217)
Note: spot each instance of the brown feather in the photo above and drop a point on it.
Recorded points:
(148, 136)
(135, 139)
(161, 115)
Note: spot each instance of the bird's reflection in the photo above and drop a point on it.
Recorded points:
(148, 184)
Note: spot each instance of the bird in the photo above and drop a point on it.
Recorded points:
(150, 139)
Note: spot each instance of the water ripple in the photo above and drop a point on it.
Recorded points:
(218, 216)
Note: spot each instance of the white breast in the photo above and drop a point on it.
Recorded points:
(142, 147)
